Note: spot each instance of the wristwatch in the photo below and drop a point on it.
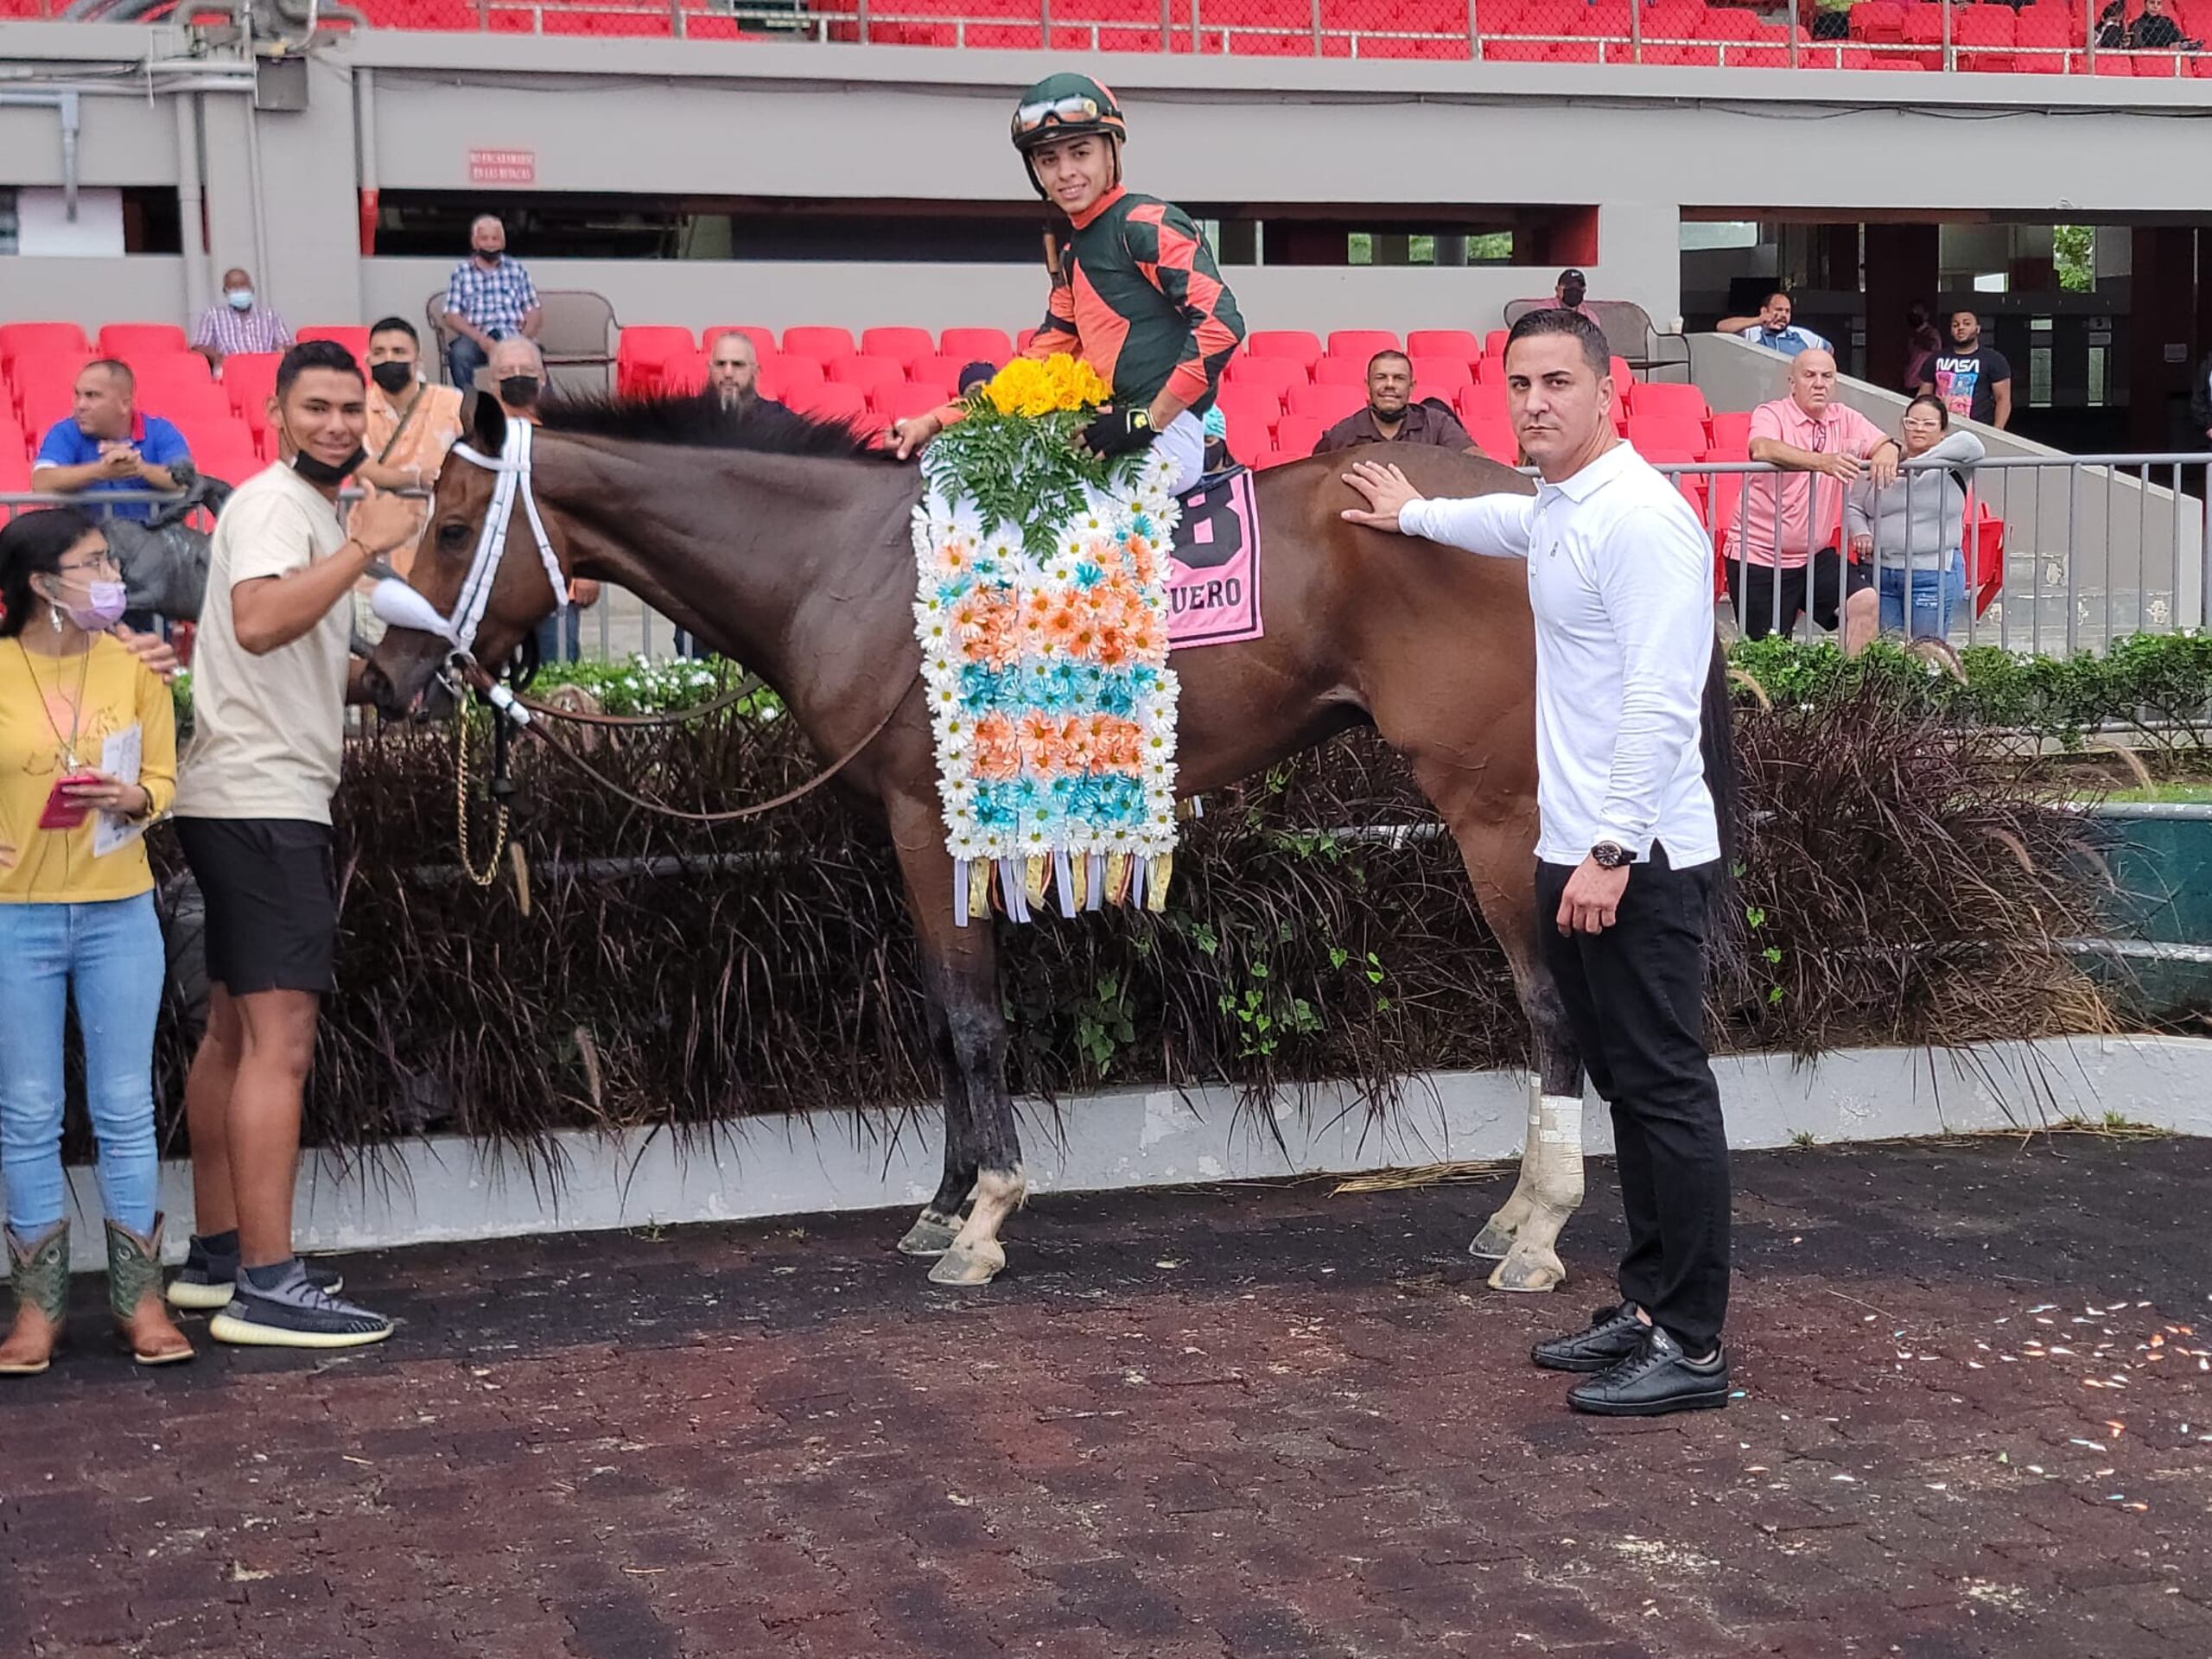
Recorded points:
(1611, 855)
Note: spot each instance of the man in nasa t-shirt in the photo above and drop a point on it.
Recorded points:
(1973, 380)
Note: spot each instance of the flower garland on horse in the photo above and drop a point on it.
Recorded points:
(1042, 610)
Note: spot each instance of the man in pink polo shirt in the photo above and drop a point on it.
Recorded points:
(1788, 524)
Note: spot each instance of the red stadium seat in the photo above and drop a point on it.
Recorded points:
(1622, 375)
(130, 340)
(823, 344)
(1881, 22)
(900, 346)
(44, 381)
(51, 339)
(1251, 415)
(1494, 345)
(1444, 343)
(976, 345)
(763, 340)
(903, 403)
(15, 472)
(1296, 435)
(1294, 344)
(1360, 344)
(782, 376)
(1732, 434)
(940, 374)
(1484, 401)
(1495, 438)
(250, 381)
(684, 374)
(831, 402)
(1661, 397)
(1649, 433)
(1276, 375)
(1333, 371)
(867, 372)
(184, 404)
(641, 352)
(353, 338)
(1441, 377)
(1327, 404)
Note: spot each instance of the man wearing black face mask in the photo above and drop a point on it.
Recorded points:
(411, 424)
(518, 372)
(270, 679)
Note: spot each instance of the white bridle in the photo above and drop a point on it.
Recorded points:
(402, 606)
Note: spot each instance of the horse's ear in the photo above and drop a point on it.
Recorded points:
(488, 424)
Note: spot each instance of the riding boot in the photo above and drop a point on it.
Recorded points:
(38, 1272)
(134, 1296)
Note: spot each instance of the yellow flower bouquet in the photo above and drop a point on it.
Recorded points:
(1059, 385)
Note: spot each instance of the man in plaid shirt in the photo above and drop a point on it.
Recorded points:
(237, 323)
(489, 298)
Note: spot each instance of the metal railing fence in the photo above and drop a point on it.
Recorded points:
(2062, 37)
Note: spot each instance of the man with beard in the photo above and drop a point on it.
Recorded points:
(1391, 414)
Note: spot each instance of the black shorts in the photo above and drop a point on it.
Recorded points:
(271, 900)
(1751, 587)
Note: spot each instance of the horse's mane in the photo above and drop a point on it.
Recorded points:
(697, 422)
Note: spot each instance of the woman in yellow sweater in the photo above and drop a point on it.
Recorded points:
(88, 759)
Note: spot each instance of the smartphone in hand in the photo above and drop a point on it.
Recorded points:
(62, 812)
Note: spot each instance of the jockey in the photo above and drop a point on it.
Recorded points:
(1135, 294)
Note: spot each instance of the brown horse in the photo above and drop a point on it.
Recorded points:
(787, 546)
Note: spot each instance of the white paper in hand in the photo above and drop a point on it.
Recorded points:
(120, 759)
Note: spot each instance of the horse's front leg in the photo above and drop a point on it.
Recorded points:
(934, 1229)
(982, 1150)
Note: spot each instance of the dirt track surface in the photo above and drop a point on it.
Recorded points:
(1216, 1425)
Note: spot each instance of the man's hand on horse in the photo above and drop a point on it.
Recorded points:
(1116, 432)
(1592, 902)
(907, 435)
(1386, 491)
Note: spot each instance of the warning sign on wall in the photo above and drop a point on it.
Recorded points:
(503, 167)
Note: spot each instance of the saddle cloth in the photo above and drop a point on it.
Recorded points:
(1213, 566)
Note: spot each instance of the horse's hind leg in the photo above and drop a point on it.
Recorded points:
(934, 1229)
(1524, 1231)
(982, 1144)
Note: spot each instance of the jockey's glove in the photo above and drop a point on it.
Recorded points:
(1118, 431)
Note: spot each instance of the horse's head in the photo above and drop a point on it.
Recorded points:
(503, 590)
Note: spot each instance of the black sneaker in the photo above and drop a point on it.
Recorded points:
(1615, 1332)
(295, 1315)
(204, 1282)
(1656, 1379)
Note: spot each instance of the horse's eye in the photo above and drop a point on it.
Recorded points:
(453, 536)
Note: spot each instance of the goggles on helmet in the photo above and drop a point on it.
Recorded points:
(1057, 112)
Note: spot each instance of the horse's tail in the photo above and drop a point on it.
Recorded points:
(1717, 740)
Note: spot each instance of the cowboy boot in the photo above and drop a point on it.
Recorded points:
(38, 1272)
(134, 1296)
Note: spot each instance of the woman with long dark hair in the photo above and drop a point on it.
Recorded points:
(88, 759)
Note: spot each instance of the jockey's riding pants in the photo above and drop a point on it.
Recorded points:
(1184, 440)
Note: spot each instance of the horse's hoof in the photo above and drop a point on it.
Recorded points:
(1494, 1243)
(932, 1234)
(1528, 1269)
(970, 1264)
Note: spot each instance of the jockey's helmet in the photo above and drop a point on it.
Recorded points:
(1066, 106)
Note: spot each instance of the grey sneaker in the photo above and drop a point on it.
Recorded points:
(296, 1313)
(204, 1282)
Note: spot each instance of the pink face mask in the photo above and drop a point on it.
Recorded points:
(104, 603)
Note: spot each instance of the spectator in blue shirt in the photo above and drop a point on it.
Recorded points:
(1772, 329)
(107, 446)
(489, 298)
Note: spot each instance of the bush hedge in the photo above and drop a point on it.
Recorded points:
(1902, 883)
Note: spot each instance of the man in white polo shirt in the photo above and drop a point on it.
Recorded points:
(1628, 855)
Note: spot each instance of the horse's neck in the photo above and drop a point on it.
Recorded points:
(774, 558)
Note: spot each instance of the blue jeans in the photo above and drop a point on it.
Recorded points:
(463, 357)
(1938, 596)
(111, 955)
(559, 636)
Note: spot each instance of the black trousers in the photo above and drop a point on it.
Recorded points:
(1635, 997)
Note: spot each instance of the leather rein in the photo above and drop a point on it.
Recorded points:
(513, 486)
